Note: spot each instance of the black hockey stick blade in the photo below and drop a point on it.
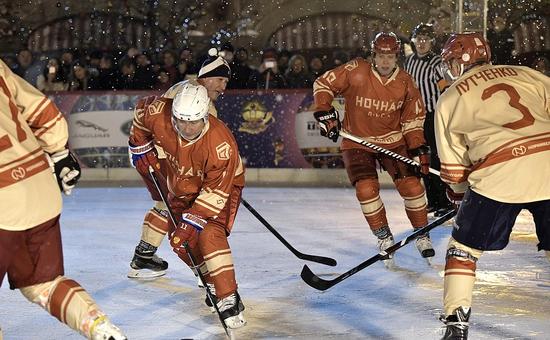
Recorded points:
(321, 284)
(307, 257)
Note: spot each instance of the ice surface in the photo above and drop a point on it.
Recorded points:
(101, 227)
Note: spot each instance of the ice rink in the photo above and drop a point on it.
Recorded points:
(101, 227)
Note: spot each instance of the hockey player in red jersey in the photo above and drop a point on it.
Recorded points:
(204, 180)
(33, 144)
(214, 75)
(493, 135)
(384, 107)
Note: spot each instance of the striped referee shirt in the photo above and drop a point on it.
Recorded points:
(428, 76)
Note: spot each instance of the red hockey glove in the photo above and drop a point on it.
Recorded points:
(141, 156)
(422, 155)
(454, 197)
(329, 122)
(187, 230)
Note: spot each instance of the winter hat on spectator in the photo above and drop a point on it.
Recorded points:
(214, 66)
(269, 53)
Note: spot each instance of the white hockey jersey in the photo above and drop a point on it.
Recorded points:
(30, 125)
(493, 133)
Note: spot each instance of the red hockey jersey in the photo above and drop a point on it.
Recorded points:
(387, 112)
(202, 171)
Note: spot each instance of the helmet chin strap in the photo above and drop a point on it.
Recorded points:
(450, 73)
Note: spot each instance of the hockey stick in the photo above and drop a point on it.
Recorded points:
(318, 283)
(384, 151)
(313, 258)
(188, 251)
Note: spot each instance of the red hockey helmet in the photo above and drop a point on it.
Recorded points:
(386, 43)
(467, 49)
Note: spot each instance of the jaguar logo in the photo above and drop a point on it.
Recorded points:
(87, 124)
(519, 151)
(18, 173)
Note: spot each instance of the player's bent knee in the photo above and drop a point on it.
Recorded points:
(409, 186)
(160, 206)
(460, 251)
(40, 293)
(367, 188)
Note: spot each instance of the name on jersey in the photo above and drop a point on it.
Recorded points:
(182, 170)
(484, 76)
(383, 107)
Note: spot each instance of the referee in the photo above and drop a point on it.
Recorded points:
(424, 67)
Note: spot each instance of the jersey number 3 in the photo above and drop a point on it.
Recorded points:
(527, 118)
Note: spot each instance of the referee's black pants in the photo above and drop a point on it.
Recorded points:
(435, 187)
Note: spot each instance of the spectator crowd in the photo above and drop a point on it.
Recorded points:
(72, 70)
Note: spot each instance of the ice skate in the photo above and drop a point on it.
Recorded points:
(384, 244)
(146, 267)
(207, 300)
(103, 329)
(456, 324)
(425, 248)
(231, 309)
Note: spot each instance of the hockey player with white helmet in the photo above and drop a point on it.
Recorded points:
(493, 135)
(213, 75)
(204, 178)
(33, 145)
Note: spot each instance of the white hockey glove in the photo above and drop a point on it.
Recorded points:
(66, 170)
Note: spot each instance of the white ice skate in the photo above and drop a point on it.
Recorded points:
(231, 309)
(425, 248)
(207, 300)
(105, 330)
(384, 244)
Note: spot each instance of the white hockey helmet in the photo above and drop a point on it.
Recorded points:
(191, 103)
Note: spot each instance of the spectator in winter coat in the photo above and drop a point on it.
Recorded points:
(79, 77)
(268, 75)
(240, 71)
(52, 78)
(145, 76)
(297, 75)
(316, 67)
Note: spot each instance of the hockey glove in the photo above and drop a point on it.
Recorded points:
(422, 156)
(454, 197)
(141, 156)
(329, 122)
(66, 170)
(187, 231)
